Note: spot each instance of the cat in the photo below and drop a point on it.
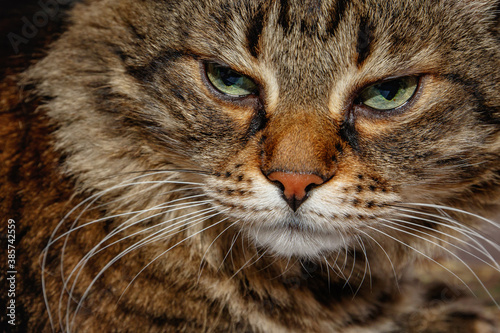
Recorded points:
(254, 166)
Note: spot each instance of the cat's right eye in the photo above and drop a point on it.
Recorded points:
(390, 94)
(228, 81)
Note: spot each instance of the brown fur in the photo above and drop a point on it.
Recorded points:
(119, 118)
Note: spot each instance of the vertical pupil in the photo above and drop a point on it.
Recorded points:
(228, 77)
(390, 89)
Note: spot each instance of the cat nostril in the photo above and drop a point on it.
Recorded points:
(295, 186)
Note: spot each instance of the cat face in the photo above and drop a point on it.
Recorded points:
(307, 123)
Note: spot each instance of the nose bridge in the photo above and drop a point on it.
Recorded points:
(299, 142)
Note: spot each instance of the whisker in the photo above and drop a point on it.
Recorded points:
(95, 250)
(304, 268)
(461, 211)
(122, 228)
(148, 189)
(178, 243)
(86, 204)
(344, 265)
(189, 218)
(352, 268)
(246, 264)
(288, 267)
(449, 243)
(269, 265)
(367, 265)
(204, 254)
(328, 275)
(165, 171)
(468, 232)
(242, 267)
(233, 241)
(138, 213)
(450, 252)
(462, 229)
(148, 240)
(386, 254)
(339, 272)
(421, 253)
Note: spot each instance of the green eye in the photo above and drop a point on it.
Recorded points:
(389, 94)
(230, 82)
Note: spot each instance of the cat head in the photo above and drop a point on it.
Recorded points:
(307, 123)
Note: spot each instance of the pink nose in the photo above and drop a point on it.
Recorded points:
(295, 186)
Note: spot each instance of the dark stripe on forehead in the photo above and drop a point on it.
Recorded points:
(255, 31)
(283, 18)
(363, 44)
(336, 15)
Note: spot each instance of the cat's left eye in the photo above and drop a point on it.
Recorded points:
(229, 82)
(389, 94)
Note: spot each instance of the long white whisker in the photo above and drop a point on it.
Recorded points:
(175, 226)
(344, 265)
(148, 240)
(328, 274)
(339, 272)
(447, 242)
(386, 254)
(462, 229)
(421, 253)
(367, 265)
(445, 208)
(233, 241)
(353, 264)
(248, 264)
(288, 266)
(88, 202)
(178, 243)
(204, 254)
(468, 231)
(137, 214)
(85, 204)
(147, 189)
(95, 250)
(450, 252)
